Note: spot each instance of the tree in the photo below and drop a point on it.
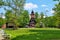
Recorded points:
(41, 16)
(24, 18)
(1, 3)
(57, 14)
(56, 0)
(8, 15)
(10, 18)
(37, 19)
(16, 7)
(2, 19)
(36, 16)
(50, 21)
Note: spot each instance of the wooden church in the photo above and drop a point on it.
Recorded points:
(32, 21)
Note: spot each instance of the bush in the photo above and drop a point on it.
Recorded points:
(37, 25)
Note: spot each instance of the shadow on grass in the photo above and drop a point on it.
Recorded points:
(40, 35)
(46, 31)
(27, 37)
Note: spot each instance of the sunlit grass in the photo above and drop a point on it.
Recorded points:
(34, 33)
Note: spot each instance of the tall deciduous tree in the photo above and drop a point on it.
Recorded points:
(36, 16)
(24, 18)
(1, 3)
(16, 6)
(41, 16)
(57, 13)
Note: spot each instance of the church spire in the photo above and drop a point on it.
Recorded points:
(32, 13)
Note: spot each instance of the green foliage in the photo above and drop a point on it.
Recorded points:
(57, 14)
(24, 18)
(41, 15)
(2, 21)
(37, 20)
(34, 33)
(1, 3)
(37, 25)
(11, 18)
(9, 15)
(50, 21)
(55, 0)
(36, 15)
(16, 12)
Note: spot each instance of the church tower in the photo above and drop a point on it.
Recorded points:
(32, 20)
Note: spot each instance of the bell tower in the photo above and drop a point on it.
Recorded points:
(32, 20)
(32, 15)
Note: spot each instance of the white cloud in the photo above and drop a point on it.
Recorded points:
(29, 6)
(52, 11)
(44, 5)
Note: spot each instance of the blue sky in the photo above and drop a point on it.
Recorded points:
(38, 6)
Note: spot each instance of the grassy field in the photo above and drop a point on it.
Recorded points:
(34, 34)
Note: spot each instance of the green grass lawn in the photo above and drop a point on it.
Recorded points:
(34, 34)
